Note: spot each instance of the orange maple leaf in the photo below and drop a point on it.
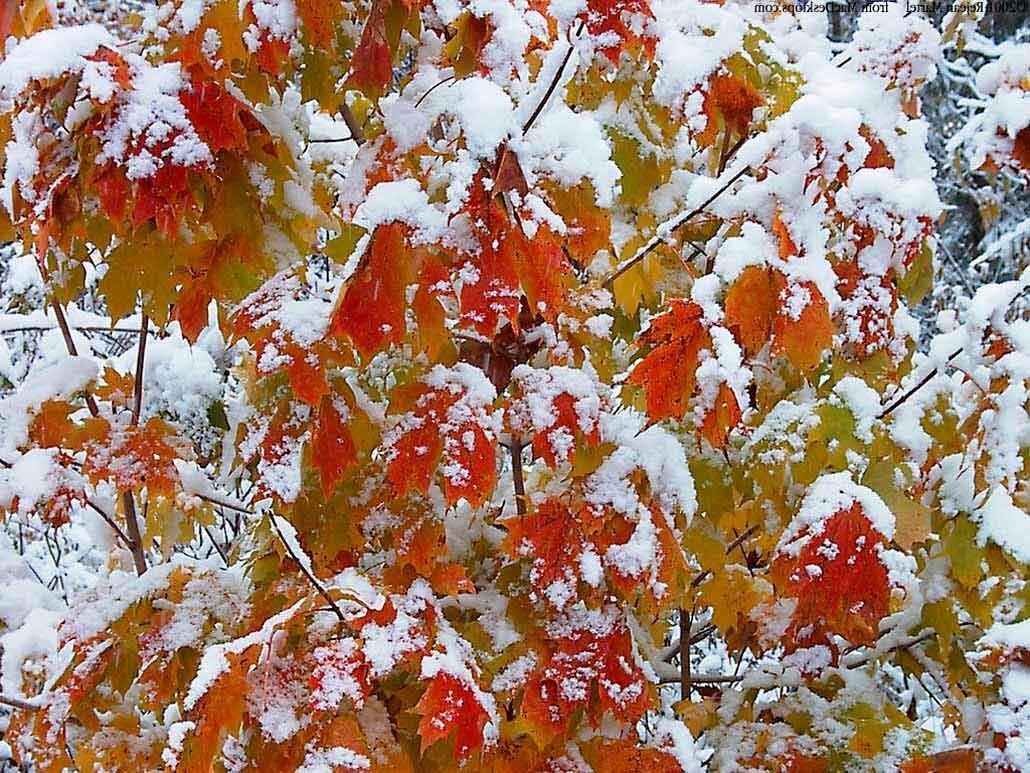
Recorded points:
(372, 60)
(723, 417)
(440, 433)
(668, 372)
(802, 336)
(606, 19)
(332, 447)
(751, 307)
(732, 99)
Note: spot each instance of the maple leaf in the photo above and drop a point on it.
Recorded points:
(839, 580)
(722, 417)
(803, 336)
(620, 754)
(607, 19)
(554, 537)
(450, 706)
(1021, 148)
(163, 197)
(332, 446)
(732, 99)
(559, 408)
(320, 18)
(581, 660)
(272, 54)
(216, 115)
(371, 311)
(132, 457)
(668, 371)
(372, 60)
(446, 429)
(751, 307)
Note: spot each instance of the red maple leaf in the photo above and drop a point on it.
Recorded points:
(607, 18)
(371, 311)
(450, 706)
(332, 446)
(839, 580)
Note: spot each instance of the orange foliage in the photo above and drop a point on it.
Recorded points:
(733, 99)
(668, 372)
(432, 435)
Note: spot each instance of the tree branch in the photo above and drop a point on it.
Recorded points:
(515, 448)
(659, 238)
(69, 342)
(141, 353)
(356, 133)
(19, 703)
(308, 574)
(553, 84)
(923, 382)
(128, 499)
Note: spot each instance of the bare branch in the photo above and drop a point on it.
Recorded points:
(19, 703)
(659, 238)
(308, 574)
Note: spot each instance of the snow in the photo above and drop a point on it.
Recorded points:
(827, 496)
(401, 201)
(862, 401)
(1004, 524)
(55, 381)
(50, 54)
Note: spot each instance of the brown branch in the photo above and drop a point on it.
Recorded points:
(69, 342)
(356, 133)
(515, 448)
(141, 353)
(686, 622)
(19, 703)
(912, 641)
(309, 575)
(922, 382)
(713, 679)
(553, 84)
(128, 499)
(659, 239)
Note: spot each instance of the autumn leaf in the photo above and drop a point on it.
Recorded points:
(445, 431)
(372, 60)
(839, 580)
(802, 334)
(450, 706)
(609, 19)
(723, 417)
(751, 307)
(332, 446)
(731, 99)
(371, 311)
(668, 371)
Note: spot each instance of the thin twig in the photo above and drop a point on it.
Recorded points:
(19, 703)
(553, 84)
(713, 679)
(517, 476)
(923, 382)
(141, 353)
(73, 350)
(310, 576)
(659, 239)
(352, 124)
